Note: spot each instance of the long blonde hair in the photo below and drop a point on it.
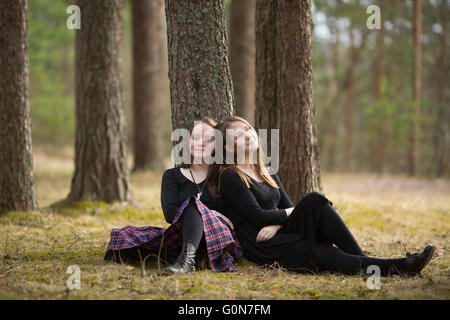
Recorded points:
(216, 170)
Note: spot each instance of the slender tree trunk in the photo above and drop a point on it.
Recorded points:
(16, 161)
(415, 125)
(379, 144)
(242, 57)
(199, 73)
(331, 111)
(148, 84)
(294, 115)
(100, 144)
(349, 103)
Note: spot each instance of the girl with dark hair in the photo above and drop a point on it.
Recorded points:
(198, 229)
(271, 229)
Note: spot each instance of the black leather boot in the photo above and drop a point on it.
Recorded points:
(185, 262)
(417, 261)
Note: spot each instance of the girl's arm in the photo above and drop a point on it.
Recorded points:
(285, 201)
(236, 194)
(169, 196)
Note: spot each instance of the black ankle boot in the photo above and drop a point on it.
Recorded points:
(417, 261)
(185, 262)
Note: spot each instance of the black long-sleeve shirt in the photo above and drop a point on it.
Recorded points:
(176, 188)
(255, 204)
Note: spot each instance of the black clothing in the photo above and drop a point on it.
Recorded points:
(305, 242)
(332, 230)
(255, 205)
(252, 209)
(176, 188)
(329, 258)
(192, 225)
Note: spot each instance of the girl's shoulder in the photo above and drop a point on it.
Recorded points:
(173, 173)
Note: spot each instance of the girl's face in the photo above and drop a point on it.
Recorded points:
(245, 137)
(202, 142)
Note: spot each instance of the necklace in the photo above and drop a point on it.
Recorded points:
(200, 192)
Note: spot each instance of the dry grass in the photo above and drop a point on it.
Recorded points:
(386, 214)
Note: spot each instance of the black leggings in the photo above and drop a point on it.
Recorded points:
(348, 257)
(192, 224)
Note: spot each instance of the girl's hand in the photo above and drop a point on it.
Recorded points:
(228, 221)
(267, 233)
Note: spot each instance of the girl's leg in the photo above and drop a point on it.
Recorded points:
(332, 229)
(192, 235)
(315, 219)
(329, 258)
(192, 225)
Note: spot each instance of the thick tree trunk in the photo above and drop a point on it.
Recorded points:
(242, 57)
(100, 144)
(148, 84)
(291, 92)
(442, 128)
(16, 161)
(267, 113)
(199, 73)
(417, 88)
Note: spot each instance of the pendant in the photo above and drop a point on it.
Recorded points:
(199, 195)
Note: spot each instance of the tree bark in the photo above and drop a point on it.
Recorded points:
(267, 112)
(242, 57)
(148, 84)
(199, 72)
(378, 149)
(442, 128)
(100, 144)
(289, 25)
(349, 103)
(417, 88)
(16, 161)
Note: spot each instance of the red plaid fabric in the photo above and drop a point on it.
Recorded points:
(221, 242)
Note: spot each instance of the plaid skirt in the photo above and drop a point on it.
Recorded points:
(222, 245)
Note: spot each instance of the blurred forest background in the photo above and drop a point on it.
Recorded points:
(363, 83)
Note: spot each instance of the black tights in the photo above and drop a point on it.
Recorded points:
(192, 225)
(348, 257)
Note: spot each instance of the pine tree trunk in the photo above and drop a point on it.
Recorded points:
(291, 92)
(442, 128)
(148, 84)
(379, 144)
(100, 144)
(16, 161)
(417, 87)
(199, 73)
(267, 112)
(349, 104)
(242, 57)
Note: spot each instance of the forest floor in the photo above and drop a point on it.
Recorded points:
(388, 215)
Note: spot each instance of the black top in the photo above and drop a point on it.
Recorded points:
(251, 209)
(255, 205)
(176, 188)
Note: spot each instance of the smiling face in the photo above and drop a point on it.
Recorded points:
(202, 142)
(245, 138)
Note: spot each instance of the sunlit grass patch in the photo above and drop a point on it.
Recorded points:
(388, 216)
